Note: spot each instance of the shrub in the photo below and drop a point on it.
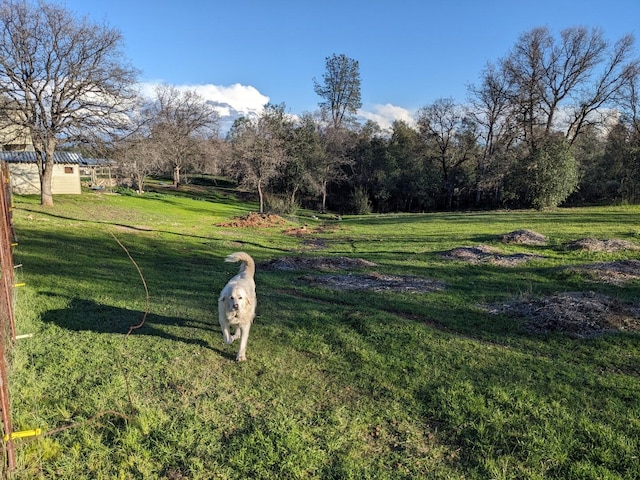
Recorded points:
(360, 203)
(545, 177)
(282, 205)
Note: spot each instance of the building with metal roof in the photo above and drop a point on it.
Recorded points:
(30, 157)
(25, 179)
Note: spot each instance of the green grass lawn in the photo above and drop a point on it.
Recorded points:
(338, 384)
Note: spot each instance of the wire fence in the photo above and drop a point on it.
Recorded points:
(7, 319)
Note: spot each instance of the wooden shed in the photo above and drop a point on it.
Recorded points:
(23, 172)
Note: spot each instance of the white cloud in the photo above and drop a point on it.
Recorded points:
(237, 99)
(244, 99)
(385, 115)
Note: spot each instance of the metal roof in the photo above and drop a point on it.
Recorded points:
(30, 157)
(95, 162)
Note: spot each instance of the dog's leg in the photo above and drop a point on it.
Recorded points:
(226, 335)
(242, 352)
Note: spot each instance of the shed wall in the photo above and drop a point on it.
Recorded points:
(25, 180)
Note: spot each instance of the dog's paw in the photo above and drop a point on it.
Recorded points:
(241, 358)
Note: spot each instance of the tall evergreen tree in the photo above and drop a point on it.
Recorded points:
(340, 88)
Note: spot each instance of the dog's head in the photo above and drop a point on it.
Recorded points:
(235, 300)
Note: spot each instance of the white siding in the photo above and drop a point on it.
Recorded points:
(25, 179)
(65, 179)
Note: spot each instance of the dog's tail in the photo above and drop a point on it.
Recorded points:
(248, 264)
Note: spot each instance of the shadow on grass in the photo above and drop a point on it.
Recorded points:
(134, 228)
(86, 315)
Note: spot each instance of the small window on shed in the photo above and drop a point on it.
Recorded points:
(68, 169)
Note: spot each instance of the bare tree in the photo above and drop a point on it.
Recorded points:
(340, 89)
(331, 162)
(258, 149)
(306, 151)
(62, 75)
(451, 136)
(573, 77)
(215, 154)
(180, 123)
(137, 159)
(494, 113)
(631, 102)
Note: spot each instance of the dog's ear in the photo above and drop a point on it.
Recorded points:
(221, 298)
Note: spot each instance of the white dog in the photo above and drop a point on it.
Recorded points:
(237, 303)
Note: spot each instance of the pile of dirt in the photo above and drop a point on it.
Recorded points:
(317, 263)
(615, 273)
(606, 246)
(524, 237)
(486, 254)
(257, 220)
(576, 314)
(375, 282)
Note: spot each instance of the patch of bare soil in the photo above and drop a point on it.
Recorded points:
(298, 231)
(314, 244)
(352, 281)
(317, 263)
(375, 282)
(306, 230)
(576, 314)
(607, 246)
(524, 237)
(256, 220)
(486, 254)
(615, 273)
(308, 235)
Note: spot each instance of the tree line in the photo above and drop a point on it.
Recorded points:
(554, 121)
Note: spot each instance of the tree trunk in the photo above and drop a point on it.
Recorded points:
(46, 195)
(46, 175)
(324, 196)
(139, 179)
(176, 176)
(260, 197)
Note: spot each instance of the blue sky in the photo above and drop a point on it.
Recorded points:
(411, 52)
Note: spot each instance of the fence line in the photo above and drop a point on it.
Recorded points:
(7, 319)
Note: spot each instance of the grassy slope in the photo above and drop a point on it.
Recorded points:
(338, 385)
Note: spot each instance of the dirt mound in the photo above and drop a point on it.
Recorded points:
(616, 273)
(259, 220)
(524, 237)
(607, 246)
(576, 314)
(318, 263)
(376, 282)
(486, 254)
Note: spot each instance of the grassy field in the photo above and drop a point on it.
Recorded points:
(339, 384)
